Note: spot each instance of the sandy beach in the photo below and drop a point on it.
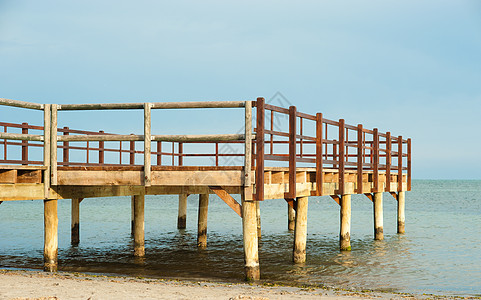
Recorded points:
(64, 285)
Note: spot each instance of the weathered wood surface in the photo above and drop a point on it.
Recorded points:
(50, 250)
(202, 221)
(21, 136)
(155, 105)
(249, 230)
(21, 104)
(227, 198)
(401, 218)
(75, 221)
(345, 230)
(300, 231)
(139, 225)
(182, 214)
(378, 217)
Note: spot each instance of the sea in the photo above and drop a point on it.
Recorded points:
(439, 254)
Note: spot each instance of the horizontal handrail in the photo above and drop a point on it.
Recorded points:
(21, 104)
(154, 105)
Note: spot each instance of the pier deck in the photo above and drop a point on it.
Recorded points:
(327, 158)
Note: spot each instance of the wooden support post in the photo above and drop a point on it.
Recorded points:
(132, 215)
(147, 144)
(50, 249)
(182, 217)
(291, 218)
(53, 144)
(378, 217)
(260, 149)
(202, 221)
(75, 225)
(345, 232)
(400, 212)
(249, 231)
(46, 149)
(139, 237)
(258, 215)
(300, 233)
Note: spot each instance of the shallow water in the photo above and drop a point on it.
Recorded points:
(440, 252)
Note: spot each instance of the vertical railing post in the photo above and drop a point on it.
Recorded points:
(147, 144)
(53, 143)
(216, 154)
(334, 154)
(375, 158)
(400, 163)
(101, 150)
(247, 145)
(159, 153)
(319, 165)
(5, 141)
(292, 152)
(409, 164)
(132, 153)
(342, 149)
(65, 150)
(260, 149)
(24, 145)
(388, 162)
(46, 148)
(360, 158)
(181, 151)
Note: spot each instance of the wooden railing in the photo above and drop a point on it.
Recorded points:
(335, 148)
(329, 145)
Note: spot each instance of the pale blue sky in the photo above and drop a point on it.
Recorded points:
(409, 67)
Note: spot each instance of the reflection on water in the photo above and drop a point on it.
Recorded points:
(436, 255)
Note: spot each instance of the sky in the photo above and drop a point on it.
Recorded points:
(409, 67)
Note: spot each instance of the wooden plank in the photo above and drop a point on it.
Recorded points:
(248, 144)
(8, 176)
(370, 196)
(227, 198)
(260, 149)
(12, 192)
(29, 176)
(100, 177)
(222, 178)
(198, 104)
(319, 163)
(147, 144)
(21, 104)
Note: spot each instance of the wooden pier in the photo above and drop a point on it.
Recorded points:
(315, 156)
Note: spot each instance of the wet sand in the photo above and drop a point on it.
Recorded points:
(22, 284)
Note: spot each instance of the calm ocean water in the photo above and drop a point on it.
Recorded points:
(440, 252)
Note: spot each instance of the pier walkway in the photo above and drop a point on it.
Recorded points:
(311, 156)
